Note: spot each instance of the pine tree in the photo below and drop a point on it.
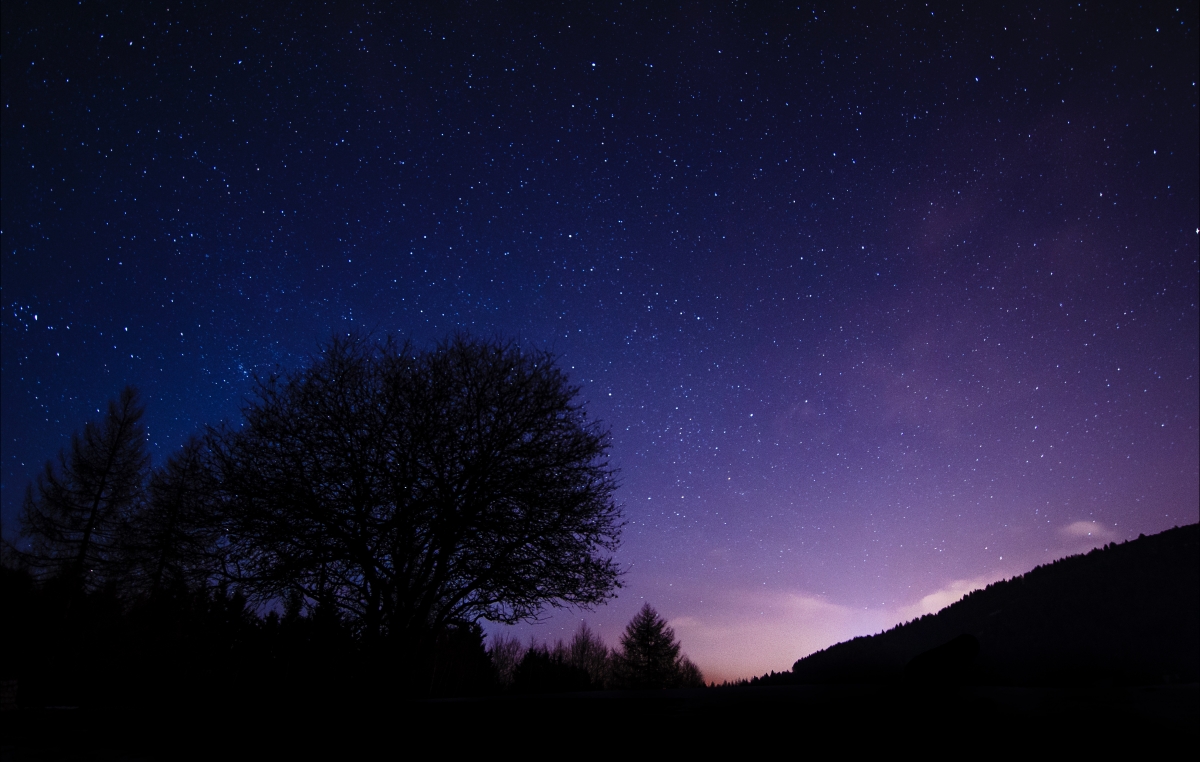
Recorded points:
(650, 655)
(73, 514)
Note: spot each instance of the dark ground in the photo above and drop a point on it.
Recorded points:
(1091, 654)
(948, 721)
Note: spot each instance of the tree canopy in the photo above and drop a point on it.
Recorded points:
(410, 489)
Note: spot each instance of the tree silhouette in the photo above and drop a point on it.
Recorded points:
(589, 653)
(690, 675)
(582, 664)
(73, 515)
(173, 541)
(650, 656)
(545, 670)
(506, 653)
(413, 490)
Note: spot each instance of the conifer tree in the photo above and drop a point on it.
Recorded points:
(650, 655)
(72, 515)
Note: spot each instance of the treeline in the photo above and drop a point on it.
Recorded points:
(1127, 613)
(356, 526)
(209, 646)
(649, 657)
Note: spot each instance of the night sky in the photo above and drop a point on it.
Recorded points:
(879, 305)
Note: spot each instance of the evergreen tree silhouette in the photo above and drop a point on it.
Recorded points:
(73, 515)
(650, 655)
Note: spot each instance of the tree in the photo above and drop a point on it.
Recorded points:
(650, 656)
(73, 514)
(546, 670)
(588, 652)
(173, 541)
(506, 653)
(417, 489)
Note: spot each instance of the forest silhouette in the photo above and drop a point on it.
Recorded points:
(324, 567)
(368, 513)
(1127, 613)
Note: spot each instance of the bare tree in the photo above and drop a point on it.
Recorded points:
(506, 653)
(73, 514)
(589, 653)
(690, 675)
(414, 489)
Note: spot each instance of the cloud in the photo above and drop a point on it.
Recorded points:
(753, 632)
(943, 597)
(1085, 530)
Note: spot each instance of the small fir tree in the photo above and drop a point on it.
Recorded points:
(650, 656)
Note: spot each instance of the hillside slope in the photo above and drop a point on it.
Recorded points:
(1127, 612)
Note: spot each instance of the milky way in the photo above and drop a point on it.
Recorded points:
(878, 306)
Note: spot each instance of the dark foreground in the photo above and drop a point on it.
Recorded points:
(971, 720)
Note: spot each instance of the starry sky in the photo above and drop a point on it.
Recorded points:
(880, 304)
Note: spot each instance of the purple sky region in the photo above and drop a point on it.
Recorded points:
(880, 304)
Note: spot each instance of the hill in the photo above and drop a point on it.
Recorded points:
(1127, 612)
